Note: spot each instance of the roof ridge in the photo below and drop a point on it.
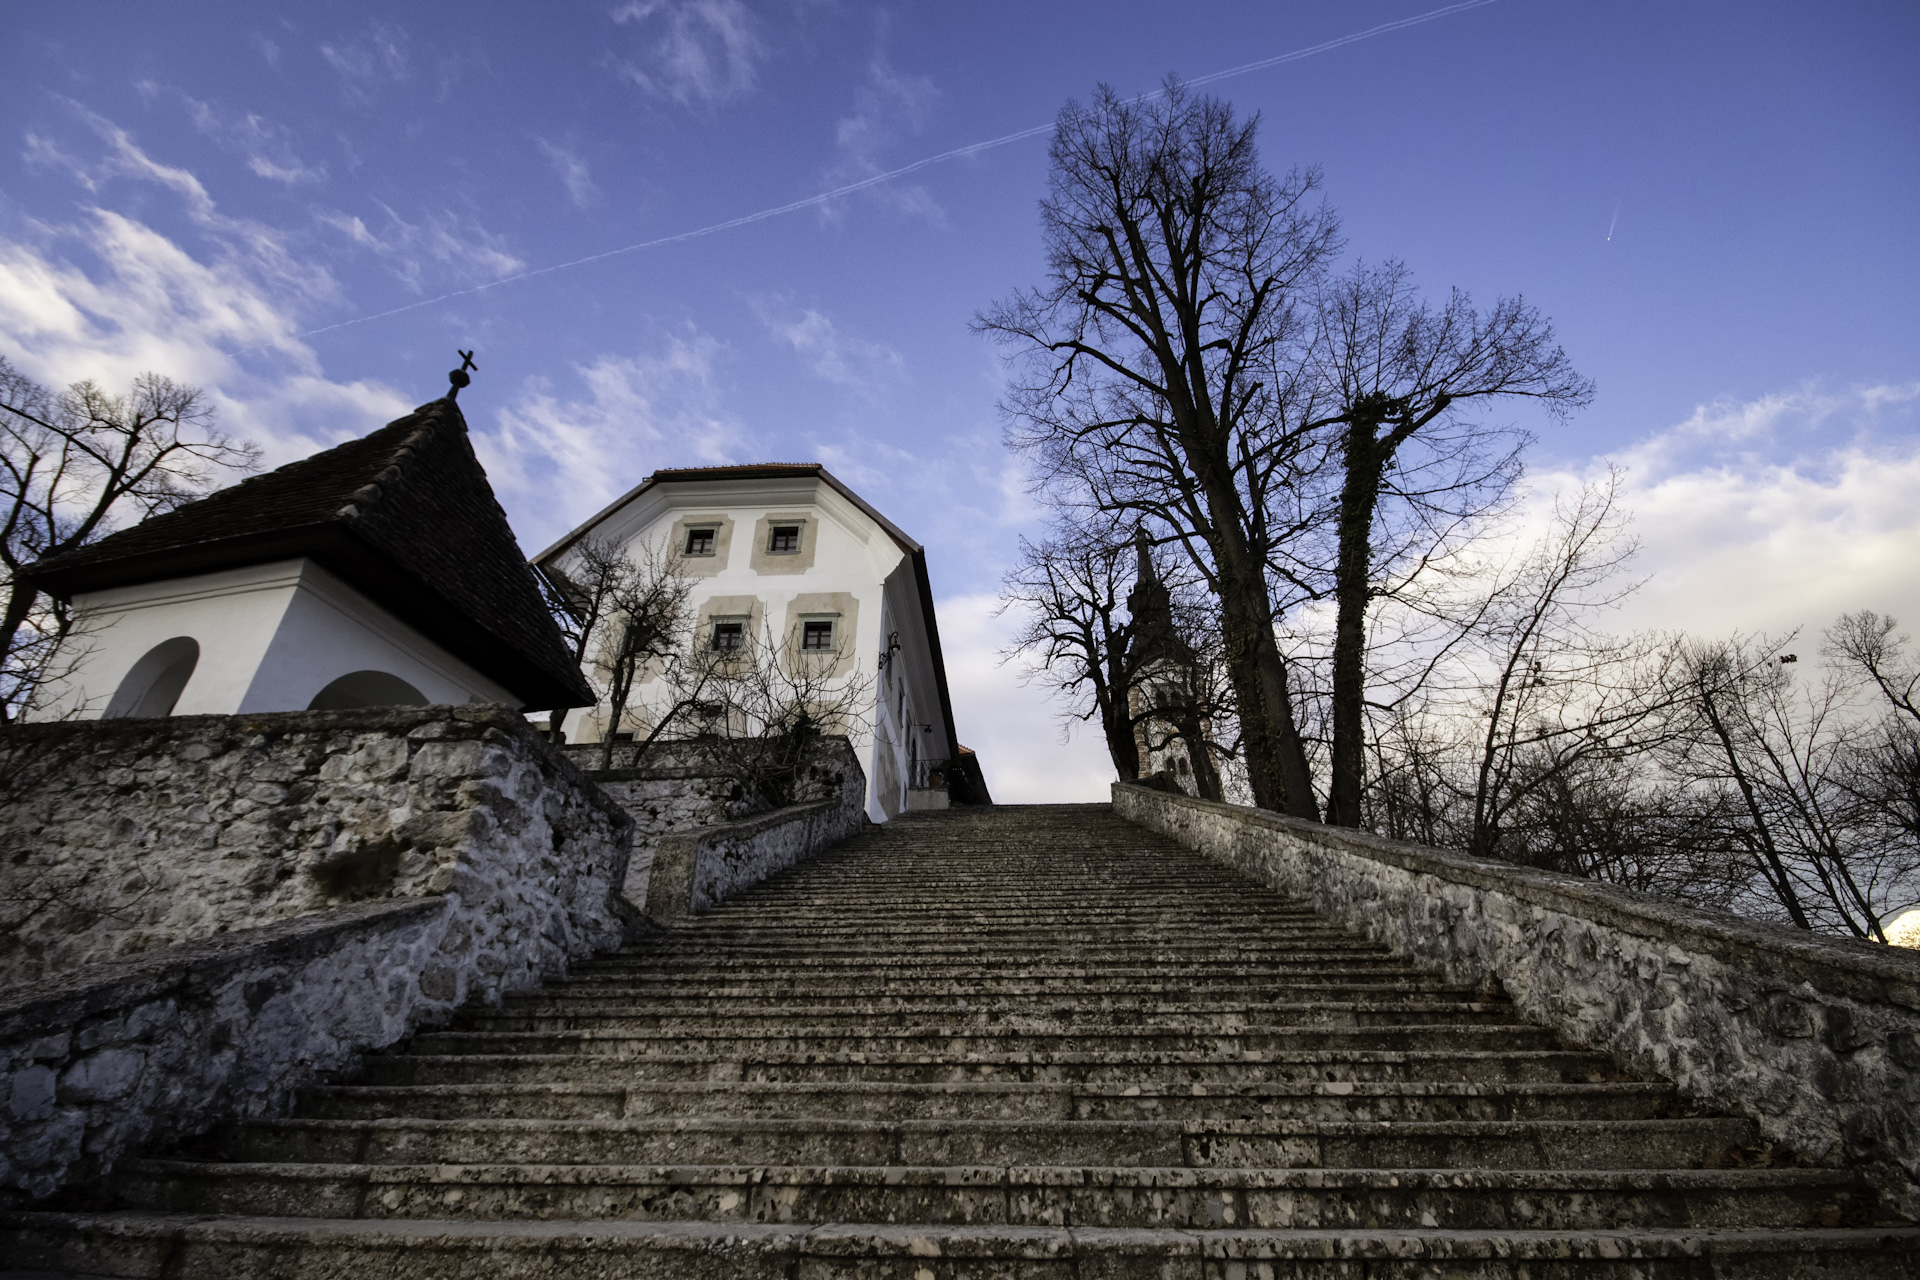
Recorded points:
(404, 453)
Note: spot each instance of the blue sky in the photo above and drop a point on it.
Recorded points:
(1715, 202)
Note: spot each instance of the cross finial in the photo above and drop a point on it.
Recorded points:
(458, 377)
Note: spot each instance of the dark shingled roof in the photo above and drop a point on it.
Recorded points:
(406, 515)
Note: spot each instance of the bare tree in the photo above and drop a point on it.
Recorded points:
(1069, 592)
(1118, 642)
(1156, 361)
(755, 710)
(73, 465)
(1885, 770)
(1395, 370)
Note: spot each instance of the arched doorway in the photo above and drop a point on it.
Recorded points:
(367, 689)
(154, 683)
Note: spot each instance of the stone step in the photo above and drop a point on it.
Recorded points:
(1043, 1195)
(144, 1244)
(863, 971)
(1094, 992)
(980, 1018)
(1439, 1144)
(960, 1041)
(871, 1100)
(1165, 1072)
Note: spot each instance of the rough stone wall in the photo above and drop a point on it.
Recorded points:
(694, 871)
(1817, 1039)
(134, 835)
(310, 885)
(164, 1046)
(682, 788)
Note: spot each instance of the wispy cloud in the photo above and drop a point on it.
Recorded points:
(861, 366)
(268, 147)
(564, 454)
(572, 171)
(696, 51)
(123, 159)
(888, 109)
(369, 62)
(108, 296)
(462, 249)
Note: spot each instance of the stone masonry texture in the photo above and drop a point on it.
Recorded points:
(219, 909)
(1816, 1039)
(990, 1043)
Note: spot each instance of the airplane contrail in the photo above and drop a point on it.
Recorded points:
(1616, 220)
(973, 148)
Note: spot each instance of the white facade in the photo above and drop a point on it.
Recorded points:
(840, 567)
(270, 637)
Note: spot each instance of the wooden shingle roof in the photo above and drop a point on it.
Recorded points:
(405, 514)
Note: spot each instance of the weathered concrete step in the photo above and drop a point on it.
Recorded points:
(1096, 992)
(143, 1245)
(1441, 1144)
(672, 967)
(1200, 950)
(1039, 1195)
(959, 1041)
(1007, 1100)
(914, 935)
(983, 1017)
(1159, 1071)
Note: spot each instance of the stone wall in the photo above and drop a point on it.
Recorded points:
(133, 835)
(695, 871)
(683, 788)
(163, 1046)
(1817, 1039)
(221, 908)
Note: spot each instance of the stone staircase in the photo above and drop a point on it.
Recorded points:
(1016, 1042)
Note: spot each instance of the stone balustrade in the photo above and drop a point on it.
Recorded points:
(1816, 1038)
(210, 911)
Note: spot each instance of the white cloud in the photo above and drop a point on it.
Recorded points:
(466, 251)
(1015, 729)
(1780, 512)
(889, 108)
(268, 146)
(698, 51)
(109, 296)
(364, 65)
(565, 457)
(573, 173)
(840, 358)
(265, 248)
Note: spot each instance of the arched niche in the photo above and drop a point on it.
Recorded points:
(367, 689)
(153, 684)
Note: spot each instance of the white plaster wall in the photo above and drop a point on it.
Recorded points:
(232, 614)
(851, 554)
(271, 636)
(329, 630)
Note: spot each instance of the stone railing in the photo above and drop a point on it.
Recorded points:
(1817, 1039)
(694, 871)
(209, 911)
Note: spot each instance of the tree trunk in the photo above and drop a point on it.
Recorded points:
(19, 605)
(1352, 589)
(1276, 759)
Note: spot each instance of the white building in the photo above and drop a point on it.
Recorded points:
(381, 572)
(788, 553)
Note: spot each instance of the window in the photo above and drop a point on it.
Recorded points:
(784, 540)
(700, 541)
(816, 635)
(729, 636)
